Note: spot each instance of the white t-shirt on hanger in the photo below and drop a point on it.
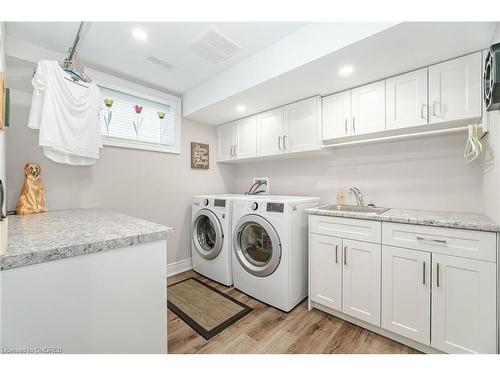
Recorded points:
(67, 115)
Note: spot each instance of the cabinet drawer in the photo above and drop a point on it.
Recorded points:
(355, 229)
(457, 242)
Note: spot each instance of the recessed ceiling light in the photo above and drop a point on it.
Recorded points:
(241, 108)
(346, 70)
(139, 34)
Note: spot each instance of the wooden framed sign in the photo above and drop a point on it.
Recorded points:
(199, 155)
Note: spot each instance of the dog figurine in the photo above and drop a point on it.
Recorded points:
(32, 197)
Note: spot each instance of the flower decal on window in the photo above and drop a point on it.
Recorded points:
(161, 115)
(137, 125)
(107, 119)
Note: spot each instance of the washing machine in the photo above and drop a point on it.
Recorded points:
(270, 248)
(211, 237)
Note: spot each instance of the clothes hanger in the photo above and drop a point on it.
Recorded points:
(473, 147)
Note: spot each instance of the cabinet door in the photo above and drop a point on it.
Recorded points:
(337, 115)
(270, 132)
(326, 270)
(455, 89)
(406, 293)
(368, 108)
(246, 138)
(302, 125)
(361, 281)
(225, 141)
(406, 100)
(463, 305)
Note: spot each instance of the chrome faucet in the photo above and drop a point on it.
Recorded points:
(357, 194)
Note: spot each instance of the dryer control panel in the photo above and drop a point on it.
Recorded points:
(275, 207)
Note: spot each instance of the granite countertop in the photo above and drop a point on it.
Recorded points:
(456, 220)
(61, 234)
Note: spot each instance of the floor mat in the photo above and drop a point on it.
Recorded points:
(207, 310)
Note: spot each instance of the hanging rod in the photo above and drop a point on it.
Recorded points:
(73, 49)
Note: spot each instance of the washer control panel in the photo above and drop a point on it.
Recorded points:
(254, 206)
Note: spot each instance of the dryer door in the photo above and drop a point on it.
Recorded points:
(257, 245)
(207, 234)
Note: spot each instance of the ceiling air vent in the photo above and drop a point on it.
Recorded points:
(160, 61)
(214, 46)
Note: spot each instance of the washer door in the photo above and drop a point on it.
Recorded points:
(207, 234)
(257, 245)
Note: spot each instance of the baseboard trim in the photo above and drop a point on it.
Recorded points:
(381, 331)
(179, 267)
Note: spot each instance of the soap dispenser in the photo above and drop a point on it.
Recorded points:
(340, 197)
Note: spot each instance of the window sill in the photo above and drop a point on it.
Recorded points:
(137, 145)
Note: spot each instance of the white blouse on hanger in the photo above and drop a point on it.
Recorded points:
(67, 115)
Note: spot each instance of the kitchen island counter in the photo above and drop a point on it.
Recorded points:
(62, 234)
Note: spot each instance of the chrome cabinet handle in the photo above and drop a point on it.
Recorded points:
(285, 147)
(434, 108)
(279, 142)
(430, 239)
(336, 253)
(423, 272)
(232, 152)
(354, 125)
(345, 255)
(235, 150)
(423, 112)
(345, 126)
(437, 275)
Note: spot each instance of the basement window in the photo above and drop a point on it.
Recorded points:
(140, 122)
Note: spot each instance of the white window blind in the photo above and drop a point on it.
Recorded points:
(131, 121)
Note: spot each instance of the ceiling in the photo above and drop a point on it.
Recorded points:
(398, 49)
(111, 45)
(294, 60)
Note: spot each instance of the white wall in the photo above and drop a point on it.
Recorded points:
(420, 173)
(149, 185)
(2, 134)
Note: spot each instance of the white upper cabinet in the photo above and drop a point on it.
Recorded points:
(237, 139)
(463, 305)
(406, 100)
(302, 125)
(246, 138)
(361, 288)
(226, 139)
(337, 115)
(326, 270)
(455, 89)
(368, 108)
(270, 132)
(406, 293)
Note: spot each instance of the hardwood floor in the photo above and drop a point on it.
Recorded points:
(268, 330)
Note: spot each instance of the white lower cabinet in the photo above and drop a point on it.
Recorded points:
(423, 297)
(326, 263)
(345, 276)
(361, 287)
(406, 293)
(463, 305)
